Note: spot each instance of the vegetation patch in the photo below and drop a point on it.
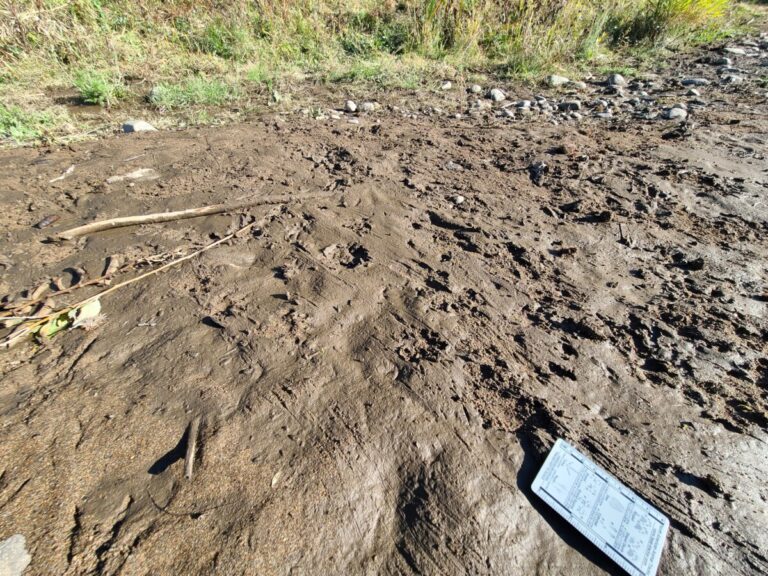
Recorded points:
(100, 88)
(191, 92)
(204, 53)
(19, 126)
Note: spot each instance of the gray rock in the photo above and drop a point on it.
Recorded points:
(475, 88)
(675, 114)
(733, 79)
(350, 106)
(735, 51)
(604, 115)
(367, 106)
(569, 106)
(616, 80)
(693, 92)
(497, 95)
(458, 199)
(723, 61)
(579, 85)
(727, 70)
(523, 104)
(509, 113)
(14, 557)
(695, 82)
(446, 85)
(554, 80)
(138, 126)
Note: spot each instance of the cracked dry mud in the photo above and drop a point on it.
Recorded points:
(380, 369)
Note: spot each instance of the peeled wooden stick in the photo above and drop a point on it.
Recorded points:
(169, 216)
(189, 458)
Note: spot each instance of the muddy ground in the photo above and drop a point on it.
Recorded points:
(381, 364)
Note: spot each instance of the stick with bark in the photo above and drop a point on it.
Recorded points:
(169, 216)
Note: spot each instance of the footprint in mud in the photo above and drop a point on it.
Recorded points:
(350, 256)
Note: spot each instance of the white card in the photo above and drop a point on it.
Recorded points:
(628, 529)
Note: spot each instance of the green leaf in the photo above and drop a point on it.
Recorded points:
(54, 325)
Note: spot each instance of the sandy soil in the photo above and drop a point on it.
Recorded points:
(379, 367)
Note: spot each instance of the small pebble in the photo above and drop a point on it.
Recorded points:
(616, 80)
(554, 80)
(497, 95)
(138, 126)
(446, 85)
(569, 106)
(350, 106)
(675, 114)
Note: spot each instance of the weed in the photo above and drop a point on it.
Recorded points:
(99, 87)
(194, 91)
(20, 126)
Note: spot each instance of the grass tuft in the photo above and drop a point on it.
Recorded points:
(100, 88)
(193, 91)
(22, 127)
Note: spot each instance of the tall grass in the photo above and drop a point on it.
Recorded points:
(312, 33)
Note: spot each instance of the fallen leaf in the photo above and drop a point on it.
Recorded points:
(86, 312)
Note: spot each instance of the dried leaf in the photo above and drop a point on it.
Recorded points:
(40, 290)
(86, 312)
(113, 265)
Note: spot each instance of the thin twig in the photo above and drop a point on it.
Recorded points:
(189, 458)
(27, 329)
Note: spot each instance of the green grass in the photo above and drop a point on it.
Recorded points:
(204, 53)
(22, 127)
(97, 87)
(193, 92)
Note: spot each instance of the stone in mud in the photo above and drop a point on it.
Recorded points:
(138, 126)
(497, 95)
(735, 51)
(695, 82)
(675, 114)
(555, 81)
(446, 85)
(14, 557)
(569, 106)
(616, 80)
(733, 79)
(475, 88)
(724, 61)
(350, 106)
